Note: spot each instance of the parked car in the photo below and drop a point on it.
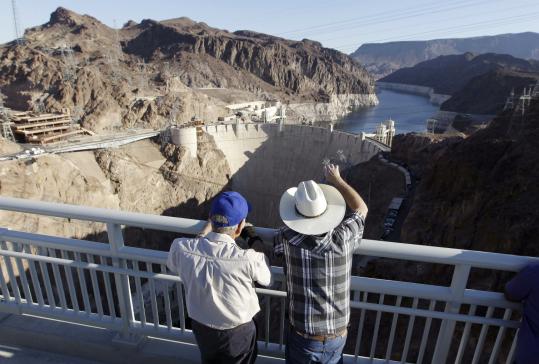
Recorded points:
(393, 214)
(389, 222)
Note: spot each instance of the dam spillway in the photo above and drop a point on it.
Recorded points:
(266, 159)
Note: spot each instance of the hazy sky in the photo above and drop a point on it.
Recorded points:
(340, 24)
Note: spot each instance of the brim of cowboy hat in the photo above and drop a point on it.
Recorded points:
(330, 219)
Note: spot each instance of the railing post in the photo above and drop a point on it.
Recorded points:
(116, 242)
(447, 328)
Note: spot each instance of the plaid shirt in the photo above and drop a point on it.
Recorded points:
(318, 270)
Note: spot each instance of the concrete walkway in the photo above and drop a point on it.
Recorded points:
(29, 339)
(21, 355)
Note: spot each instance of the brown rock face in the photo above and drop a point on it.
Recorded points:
(136, 76)
(303, 68)
(481, 193)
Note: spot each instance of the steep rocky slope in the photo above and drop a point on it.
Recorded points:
(382, 59)
(449, 74)
(480, 193)
(486, 94)
(147, 74)
(138, 178)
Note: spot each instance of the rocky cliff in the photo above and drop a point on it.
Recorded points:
(480, 193)
(382, 59)
(138, 177)
(148, 74)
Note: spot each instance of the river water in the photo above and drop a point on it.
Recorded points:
(409, 111)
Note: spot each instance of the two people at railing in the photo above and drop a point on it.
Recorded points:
(317, 242)
(525, 287)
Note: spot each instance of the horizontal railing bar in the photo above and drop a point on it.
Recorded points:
(427, 291)
(54, 242)
(90, 266)
(423, 253)
(433, 314)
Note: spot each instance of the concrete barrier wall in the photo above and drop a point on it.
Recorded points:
(266, 159)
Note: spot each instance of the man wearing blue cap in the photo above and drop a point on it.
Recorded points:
(219, 278)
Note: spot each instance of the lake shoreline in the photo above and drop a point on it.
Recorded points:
(409, 110)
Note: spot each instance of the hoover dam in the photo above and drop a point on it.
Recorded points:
(266, 159)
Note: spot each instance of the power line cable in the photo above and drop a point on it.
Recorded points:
(497, 11)
(520, 17)
(382, 16)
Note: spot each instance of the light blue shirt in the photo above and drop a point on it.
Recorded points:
(219, 278)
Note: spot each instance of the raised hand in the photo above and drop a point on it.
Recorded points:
(332, 174)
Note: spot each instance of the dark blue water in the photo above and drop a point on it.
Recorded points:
(409, 111)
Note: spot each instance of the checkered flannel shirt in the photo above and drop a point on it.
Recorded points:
(318, 270)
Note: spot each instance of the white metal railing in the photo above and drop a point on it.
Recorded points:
(128, 289)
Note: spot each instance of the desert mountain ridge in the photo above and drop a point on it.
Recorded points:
(142, 73)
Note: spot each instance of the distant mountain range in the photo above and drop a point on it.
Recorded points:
(382, 59)
(478, 84)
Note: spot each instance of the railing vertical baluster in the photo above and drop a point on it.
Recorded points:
(153, 297)
(465, 336)
(83, 286)
(22, 276)
(33, 274)
(425, 336)
(58, 280)
(46, 278)
(70, 283)
(3, 285)
(511, 354)
(393, 328)
(409, 331)
(11, 275)
(108, 289)
(267, 319)
(482, 337)
(181, 307)
(167, 299)
(458, 286)
(499, 337)
(95, 287)
(282, 317)
(376, 328)
(140, 296)
(360, 328)
(116, 242)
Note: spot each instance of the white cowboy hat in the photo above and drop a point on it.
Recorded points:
(312, 208)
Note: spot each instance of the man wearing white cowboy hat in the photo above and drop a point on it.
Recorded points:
(318, 242)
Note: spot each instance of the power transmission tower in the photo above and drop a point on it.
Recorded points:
(526, 99)
(69, 70)
(142, 76)
(16, 23)
(4, 121)
(114, 56)
(509, 103)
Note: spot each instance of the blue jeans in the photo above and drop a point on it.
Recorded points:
(300, 350)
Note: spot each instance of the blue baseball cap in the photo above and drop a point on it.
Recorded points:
(228, 209)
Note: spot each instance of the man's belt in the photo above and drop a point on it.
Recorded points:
(321, 338)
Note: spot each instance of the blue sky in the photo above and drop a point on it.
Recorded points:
(340, 24)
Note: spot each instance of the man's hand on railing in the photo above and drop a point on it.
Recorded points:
(251, 237)
(205, 230)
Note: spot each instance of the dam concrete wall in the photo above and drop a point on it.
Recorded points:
(266, 159)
